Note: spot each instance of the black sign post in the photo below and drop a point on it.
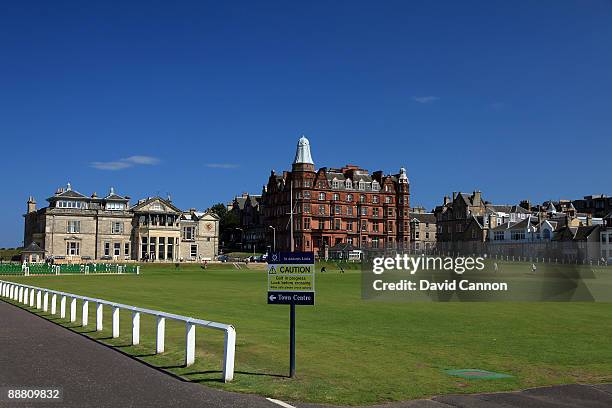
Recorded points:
(291, 282)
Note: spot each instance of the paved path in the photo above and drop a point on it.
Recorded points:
(38, 353)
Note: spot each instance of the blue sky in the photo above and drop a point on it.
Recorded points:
(202, 99)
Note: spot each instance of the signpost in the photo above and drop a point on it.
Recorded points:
(291, 282)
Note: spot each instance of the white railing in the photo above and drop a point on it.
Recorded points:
(39, 297)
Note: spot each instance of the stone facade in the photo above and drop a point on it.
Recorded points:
(332, 206)
(81, 228)
(422, 230)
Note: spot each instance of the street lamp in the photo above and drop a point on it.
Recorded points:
(274, 237)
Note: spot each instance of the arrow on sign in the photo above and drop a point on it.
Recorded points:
(272, 298)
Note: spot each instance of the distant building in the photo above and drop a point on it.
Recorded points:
(422, 230)
(333, 206)
(597, 205)
(252, 233)
(81, 228)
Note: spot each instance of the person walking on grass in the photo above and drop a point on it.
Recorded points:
(495, 267)
(533, 268)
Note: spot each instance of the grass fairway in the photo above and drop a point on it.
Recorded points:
(351, 351)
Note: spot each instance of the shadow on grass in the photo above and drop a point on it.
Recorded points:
(136, 357)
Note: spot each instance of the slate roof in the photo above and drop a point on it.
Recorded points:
(33, 248)
(424, 217)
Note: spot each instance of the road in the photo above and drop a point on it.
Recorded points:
(35, 352)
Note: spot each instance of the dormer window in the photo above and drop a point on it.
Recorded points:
(112, 206)
(362, 185)
(335, 184)
(71, 204)
(348, 183)
(375, 186)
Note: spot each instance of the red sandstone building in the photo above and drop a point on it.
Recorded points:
(346, 207)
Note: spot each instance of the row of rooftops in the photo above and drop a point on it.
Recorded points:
(68, 194)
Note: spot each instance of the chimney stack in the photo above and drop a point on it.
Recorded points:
(477, 198)
(31, 205)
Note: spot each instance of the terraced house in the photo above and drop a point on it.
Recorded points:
(75, 227)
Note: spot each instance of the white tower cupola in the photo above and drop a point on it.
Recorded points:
(303, 159)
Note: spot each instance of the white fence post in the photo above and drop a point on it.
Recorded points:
(73, 305)
(229, 353)
(21, 294)
(135, 328)
(115, 322)
(53, 304)
(46, 301)
(85, 313)
(26, 297)
(189, 343)
(99, 310)
(63, 307)
(39, 299)
(161, 331)
(31, 297)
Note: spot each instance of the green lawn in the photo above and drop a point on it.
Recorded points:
(352, 351)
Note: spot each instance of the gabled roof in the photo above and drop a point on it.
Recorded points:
(66, 194)
(32, 248)
(149, 200)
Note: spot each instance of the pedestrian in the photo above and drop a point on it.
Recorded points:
(533, 268)
(495, 266)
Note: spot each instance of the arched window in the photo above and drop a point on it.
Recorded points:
(348, 183)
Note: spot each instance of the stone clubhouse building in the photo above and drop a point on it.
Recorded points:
(75, 228)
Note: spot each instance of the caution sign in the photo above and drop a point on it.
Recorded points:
(291, 278)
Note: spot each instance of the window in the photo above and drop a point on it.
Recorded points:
(117, 248)
(337, 224)
(349, 226)
(364, 210)
(321, 224)
(73, 248)
(375, 199)
(71, 204)
(306, 223)
(375, 212)
(517, 235)
(188, 233)
(307, 207)
(307, 194)
(194, 251)
(375, 227)
(362, 198)
(116, 227)
(115, 206)
(364, 225)
(362, 185)
(426, 234)
(156, 207)
(374, 242)
(170, 248)
(161, 248)
(349, 241)
(144, 243)
(336, 196)
(321, 196)
(417, 234)
(390, 212)
(387, 200)
(335, 184)
(322, 209)
(74, 227)
(348, 183)
(126, 250)
(349, 197)
(107, 249)
(375, 185)
(349, 210)
(338, 209)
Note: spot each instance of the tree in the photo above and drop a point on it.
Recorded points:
(228, 221)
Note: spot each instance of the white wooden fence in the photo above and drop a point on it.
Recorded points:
(39, 297)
